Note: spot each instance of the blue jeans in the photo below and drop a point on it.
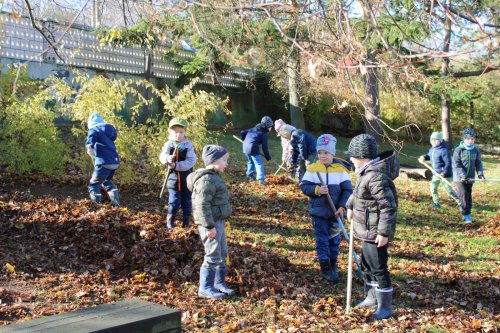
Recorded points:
(101, 176)
(176, 200)
(255, 164)
(215, 248)
(327, 244)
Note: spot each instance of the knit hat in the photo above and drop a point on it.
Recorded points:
(363, 146)
(437, 136)
(285, 131)
(212, 153)
(177, 122)
(95, 120)
(327, 143)
(267, 122)
(277, 124)
(468, 132)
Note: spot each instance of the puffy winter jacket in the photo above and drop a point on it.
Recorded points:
(374, 200)
(466, 160)
(210, 197)
(100, 138)
(185, 159)
(253, 138)
(440, 159)
(304, 146)
(339, 188)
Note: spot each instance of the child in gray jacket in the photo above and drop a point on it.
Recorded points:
(211, 207)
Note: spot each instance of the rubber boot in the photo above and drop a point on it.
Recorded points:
(114, 197)
(335, 273)
(207, 290)
(170, 221)
(370, 297)
(326, 271)
(96, 197)
(220, 281)
(185, 221)
(384, 303)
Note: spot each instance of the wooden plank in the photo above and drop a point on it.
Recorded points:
(132, 315)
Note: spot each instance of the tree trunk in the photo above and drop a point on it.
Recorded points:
(445, 103)
(372, 105)
(472, 116)
(296, 113)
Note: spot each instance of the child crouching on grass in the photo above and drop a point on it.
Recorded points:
(337, 184)
(372, 208)
(211, 207)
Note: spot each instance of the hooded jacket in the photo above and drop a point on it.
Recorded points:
(374, 201)
(304, 146)
(440, 159)
(185, 159)
(466, 160)
(100, 138)
(339, 188)
(254, 137)
(210, 197)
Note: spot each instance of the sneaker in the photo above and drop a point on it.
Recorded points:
(262, 182)
(467, 218)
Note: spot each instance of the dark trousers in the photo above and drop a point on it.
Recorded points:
(327, 239)
(102, 176)
(179, 199)
(374, 264)
(465, 194)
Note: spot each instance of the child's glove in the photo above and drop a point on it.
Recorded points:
(481, 177)
(465, 180)
(290, 167)
(421, 159)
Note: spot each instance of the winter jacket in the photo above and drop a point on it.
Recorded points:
(185, 159)
(304, 146)
(339, 188)
(287, 148)
(100, 138)
(253, 138)
(440, 159)
(210, 197)
(374, 200)
(466, 160)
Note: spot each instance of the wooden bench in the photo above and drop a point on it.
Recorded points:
(131, 315)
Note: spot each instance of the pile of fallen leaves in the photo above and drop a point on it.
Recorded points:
(60, 254)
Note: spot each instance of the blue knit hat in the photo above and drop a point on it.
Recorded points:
(468, 132)
(212, 153)
(327, 143)
(95, 120)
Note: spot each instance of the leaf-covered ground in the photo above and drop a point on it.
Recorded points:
(60, 252)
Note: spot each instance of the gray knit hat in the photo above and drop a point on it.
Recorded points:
(327, 143)
(212, 153)
(468, 132)
(363, 146)
(267, 122)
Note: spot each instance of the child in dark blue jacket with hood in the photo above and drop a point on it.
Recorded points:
(304, 149)
(466, 161)
(337, 184)
(252, 139)
(101, 147)
(439, 156)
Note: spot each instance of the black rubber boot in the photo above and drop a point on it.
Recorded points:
(335, 273)
(384, 303)
(326, 271)
(370, 297)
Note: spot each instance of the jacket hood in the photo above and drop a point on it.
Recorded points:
(442, 145)
(194, 176)
(388, 164)
(95, 120)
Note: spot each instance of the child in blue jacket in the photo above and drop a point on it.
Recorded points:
(439, 156)
(252, 139)
(339, 187)
(178, 153)
(304, 149)
(101, 147)
(466, 161)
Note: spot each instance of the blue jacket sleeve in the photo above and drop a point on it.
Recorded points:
(346, 191)
(91, 138)
(447, 163)
(458, 165)
(265, 148)
(309, 188)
